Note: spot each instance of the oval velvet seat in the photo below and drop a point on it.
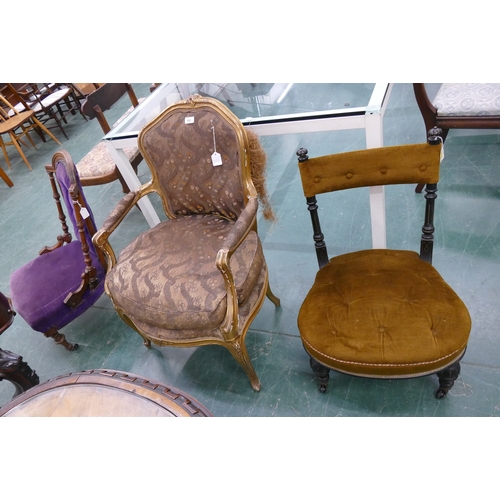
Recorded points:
(383, 313)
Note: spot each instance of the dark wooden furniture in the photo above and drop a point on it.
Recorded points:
(97, 166)
(380, 313)
(12, 366)
(103, 393)
(447, 113)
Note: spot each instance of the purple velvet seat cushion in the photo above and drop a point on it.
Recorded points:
(39, 288)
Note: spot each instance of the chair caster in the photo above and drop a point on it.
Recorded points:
(322, 374)
(441, 393)
(73, 347)
(447, 378)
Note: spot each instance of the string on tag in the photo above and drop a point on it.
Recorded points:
(216, 157)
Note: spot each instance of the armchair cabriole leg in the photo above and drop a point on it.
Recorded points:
(239, 351)
(270, 295)
(447, 378)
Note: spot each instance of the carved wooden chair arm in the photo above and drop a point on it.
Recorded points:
(243, 225)
(114, 219)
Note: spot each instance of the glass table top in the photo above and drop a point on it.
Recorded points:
(258, 103)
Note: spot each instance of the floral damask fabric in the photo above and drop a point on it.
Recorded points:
(168, 276)
(468, 99)
(180, 150)
(98, 161)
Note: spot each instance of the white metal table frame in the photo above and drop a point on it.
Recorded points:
(368, 117)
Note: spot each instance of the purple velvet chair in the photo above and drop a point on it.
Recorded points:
(66, 279)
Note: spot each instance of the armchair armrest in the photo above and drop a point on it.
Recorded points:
(242, 226)
(114, 219)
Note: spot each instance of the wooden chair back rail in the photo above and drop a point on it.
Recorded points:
(408, 164)
(66, 236)
(104, 97)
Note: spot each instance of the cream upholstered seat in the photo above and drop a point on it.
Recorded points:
(459, 106)
(199, 277)
(98, 164)
(468, 99)
(381, 313)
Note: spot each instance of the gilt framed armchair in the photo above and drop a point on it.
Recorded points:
(200, 277)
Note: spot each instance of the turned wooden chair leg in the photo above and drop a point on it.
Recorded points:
(447, 378)
(322, 374)
(59, 338)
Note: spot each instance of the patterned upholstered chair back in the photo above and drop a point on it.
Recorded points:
(178, 146)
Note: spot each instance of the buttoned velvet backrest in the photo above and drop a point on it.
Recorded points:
(178, 147)
(407, 164)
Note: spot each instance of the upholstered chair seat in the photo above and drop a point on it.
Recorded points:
(167, 279)
(51, 99)
(97, 163)
(387, 313)
(468, 99)
(42, 306)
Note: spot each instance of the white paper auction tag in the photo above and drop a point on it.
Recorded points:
(216, 159)
(84, 213)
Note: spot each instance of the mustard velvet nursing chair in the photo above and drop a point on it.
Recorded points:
(380, 313)
(199, 277)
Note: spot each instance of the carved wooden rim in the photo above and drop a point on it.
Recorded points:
(173, 400)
